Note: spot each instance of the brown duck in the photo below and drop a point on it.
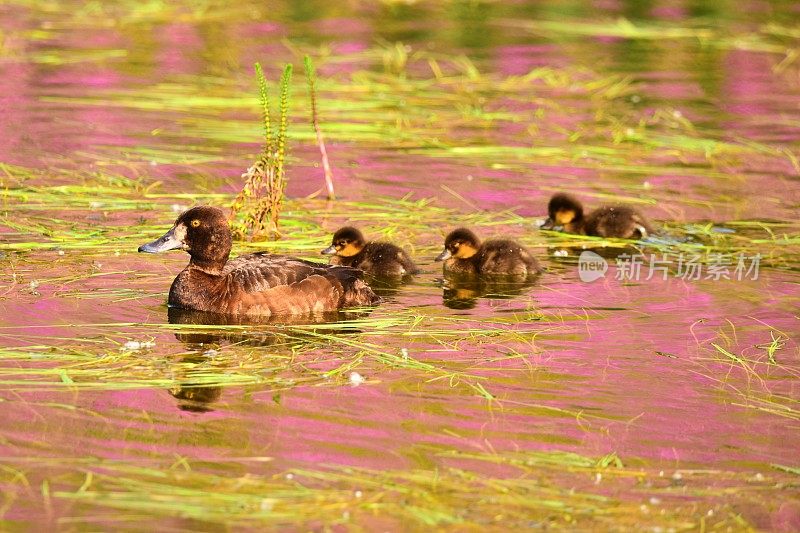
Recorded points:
(465, 254)
(623, 222)
(254, 284)
(380, 259)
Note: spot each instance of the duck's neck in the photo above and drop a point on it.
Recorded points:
(198, 287)
(575, 226)
(462, 265)
(213, 268)
(347, 260)
(211, 254)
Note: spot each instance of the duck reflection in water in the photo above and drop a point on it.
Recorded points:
(255, 330)
(463, 292)
(197, 397)
(193, 396)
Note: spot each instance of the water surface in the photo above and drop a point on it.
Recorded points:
(656, 403)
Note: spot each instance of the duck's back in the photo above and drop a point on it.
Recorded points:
(266, 284)
(384, 259)
(276, 284)
(617, 221)
(506, 257)
(262, 271)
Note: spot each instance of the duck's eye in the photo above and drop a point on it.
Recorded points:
(195, 223)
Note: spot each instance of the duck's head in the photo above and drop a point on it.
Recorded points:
(346, 242)
(461, 244)
(202, 231)
(563, 211)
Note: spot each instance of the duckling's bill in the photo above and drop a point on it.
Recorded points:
(444, 256)
(171, 240)
(550, 224)
(330, 250)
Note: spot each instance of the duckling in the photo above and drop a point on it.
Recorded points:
(260, 284)
(464, 254)
(618, 221)
(380, 259)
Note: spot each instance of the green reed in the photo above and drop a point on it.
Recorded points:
(261, 197)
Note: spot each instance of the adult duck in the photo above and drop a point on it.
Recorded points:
(261, 283)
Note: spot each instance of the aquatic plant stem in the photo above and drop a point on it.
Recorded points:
(278, 186)
(261, 196)
(264, 95)
(312, 92)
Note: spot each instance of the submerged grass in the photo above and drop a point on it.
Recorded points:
(537, 489)
(315, 354)
(416, 223)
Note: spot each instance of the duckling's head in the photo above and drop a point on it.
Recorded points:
(346, 242)
(461, 244)
(202, 231)
(563, 211)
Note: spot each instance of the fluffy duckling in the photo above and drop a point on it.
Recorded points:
(465, 254)
(618, 221)
(254, 284)
(380, 259)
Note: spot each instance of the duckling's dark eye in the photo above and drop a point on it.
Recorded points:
(195, 223)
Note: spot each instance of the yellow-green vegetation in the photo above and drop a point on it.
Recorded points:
(261, 197)
(535, 490)
(418, 223)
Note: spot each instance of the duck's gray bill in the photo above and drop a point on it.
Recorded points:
(444, 255)
(167, 242)
(547, 224)
(330, 250)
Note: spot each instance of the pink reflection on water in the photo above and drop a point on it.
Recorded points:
(672, 400)
(99, 78)
(518, 60)
(180, 44)
(675, 12)
(24, 128)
